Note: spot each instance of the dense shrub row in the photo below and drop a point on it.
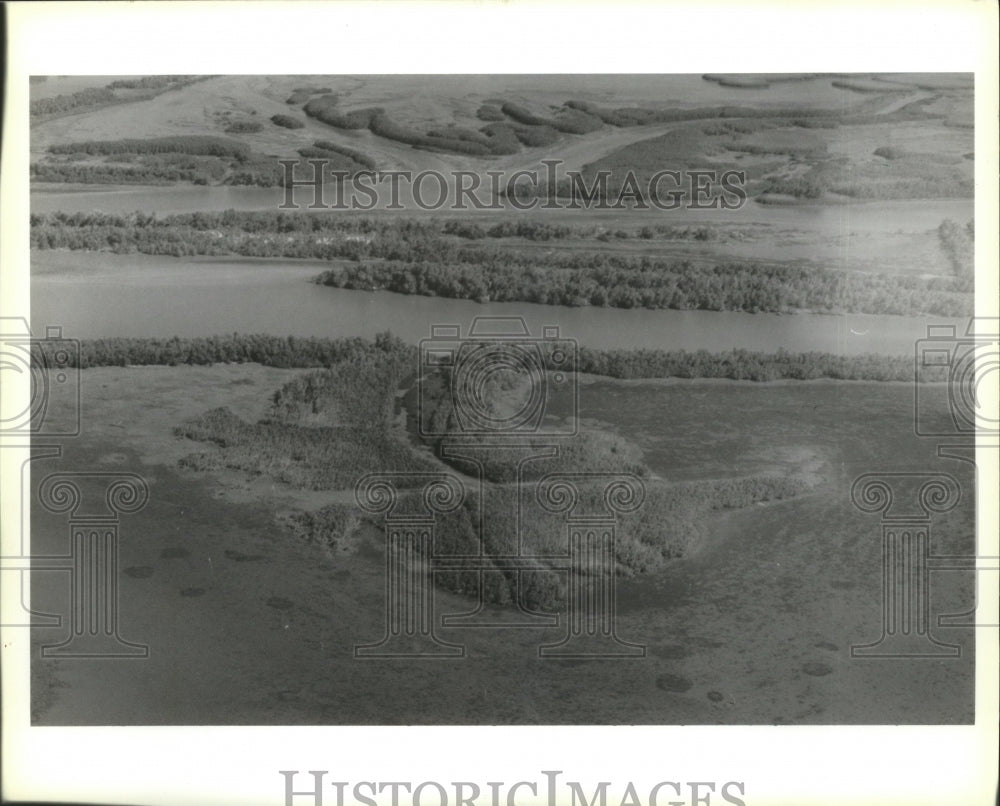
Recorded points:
(629, 116)
(739, 81)
(801, 187)
(570, 120)
(302, 94)
(162, 169)
(865, 86)
(298, 352)
(574, 121)
(642, 116)
(95, 97)
(258, 171)
(325, 109)
(384, 127)
(536, 136)
(490, 113)
(496, 138)
(575, 117)
(359, 157)
(388, 230)
(523, 115)
(529, 230)
(460, 133)
(67, 103)
(355, 119)
(201, 171)
(814, 123)
(815, 117)
(416, 258)
(679, 285)
(194, 144)
(744, 365)
(722, 128)
(287, 122)
(502, 138)
(145, 83)
(259, 348)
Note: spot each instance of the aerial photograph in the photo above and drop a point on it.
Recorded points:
(496, 399)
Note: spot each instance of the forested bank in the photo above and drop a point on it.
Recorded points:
(499, 263)
(300, 352)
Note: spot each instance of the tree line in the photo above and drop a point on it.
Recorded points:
(94, 97)
(312, 352)
(675, 285)
(260, 222)
(194, 144)
(413, 258)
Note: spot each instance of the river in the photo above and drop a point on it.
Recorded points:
(824, 219)
(96, 295)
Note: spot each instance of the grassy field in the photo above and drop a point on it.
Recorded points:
(443, 116)
(827, 162)
(754, 626)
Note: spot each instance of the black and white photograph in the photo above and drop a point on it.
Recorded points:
(481, 398)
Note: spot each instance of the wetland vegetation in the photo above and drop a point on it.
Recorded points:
(455, 259)
(312, 352)
(746, 556)
(327, 428)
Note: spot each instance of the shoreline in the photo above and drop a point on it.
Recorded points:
(584, 378)
(323, 266)
(762, 202)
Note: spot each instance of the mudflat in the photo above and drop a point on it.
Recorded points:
(247, 623)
